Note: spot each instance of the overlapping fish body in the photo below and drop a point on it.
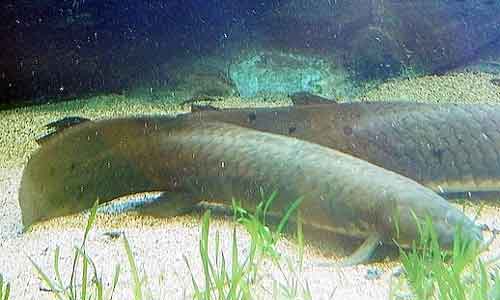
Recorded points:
(454, 149)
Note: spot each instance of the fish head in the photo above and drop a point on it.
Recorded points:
(415, 218)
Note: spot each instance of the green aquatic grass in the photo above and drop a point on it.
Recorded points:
(221, 281)
(292, 286)
(86, 288)
(237, 281)
(4, 289)
(459, 274)
(265, 241)
(133, 269)
(256, 223)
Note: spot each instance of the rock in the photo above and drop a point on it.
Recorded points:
(279, 72)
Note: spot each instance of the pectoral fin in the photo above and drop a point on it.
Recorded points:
(360, 256)
(364, 252)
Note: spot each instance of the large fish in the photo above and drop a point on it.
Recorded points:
(192, 159)
(454, 149)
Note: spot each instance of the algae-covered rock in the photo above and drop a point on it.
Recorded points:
(278, 72)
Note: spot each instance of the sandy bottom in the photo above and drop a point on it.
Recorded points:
(160, 246)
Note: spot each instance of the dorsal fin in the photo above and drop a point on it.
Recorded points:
(306, 98)
(66, 122)
(58, 126)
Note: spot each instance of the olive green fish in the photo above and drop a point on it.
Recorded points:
(191, 159)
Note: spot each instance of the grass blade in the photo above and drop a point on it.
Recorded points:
(45, 279)
(205, 226)
(133, 270)
(197, 293)
(115, 281)
(300, 240)
(288, 212)
(90, 221)
(84, 278)
(4, 292)
(56, 269)
(268, 203)
(7, 292)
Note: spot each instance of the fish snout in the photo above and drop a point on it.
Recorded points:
(436, 215)
(457, 225)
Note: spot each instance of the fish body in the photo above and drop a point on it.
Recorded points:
(195, 159)
(454, 149)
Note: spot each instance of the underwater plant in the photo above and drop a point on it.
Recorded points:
(432, 273)
(4, 289)
(86, 288)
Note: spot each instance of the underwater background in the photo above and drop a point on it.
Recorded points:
(61, 50)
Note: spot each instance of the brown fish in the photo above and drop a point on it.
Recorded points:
(193, 159)
(454, 149)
